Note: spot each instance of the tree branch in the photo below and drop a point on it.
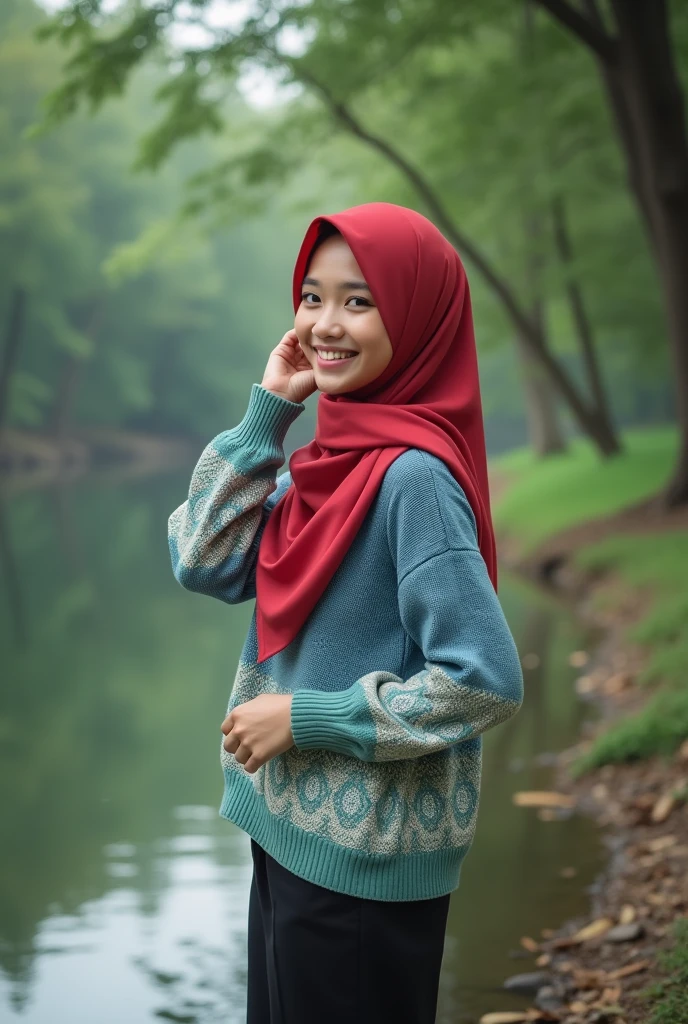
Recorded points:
(529, 331)
(602, 44)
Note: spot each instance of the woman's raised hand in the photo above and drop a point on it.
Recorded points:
(288, 373)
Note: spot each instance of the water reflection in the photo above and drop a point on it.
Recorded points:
(123, 894)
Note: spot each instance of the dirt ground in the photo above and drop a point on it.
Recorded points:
(594, 967)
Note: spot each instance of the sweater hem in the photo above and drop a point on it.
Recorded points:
(387, 877)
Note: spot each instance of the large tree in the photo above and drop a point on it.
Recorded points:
(107, 51)
(631, 42)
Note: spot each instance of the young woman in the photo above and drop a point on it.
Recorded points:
(378, 652)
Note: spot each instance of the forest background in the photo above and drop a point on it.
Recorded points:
(162, 160)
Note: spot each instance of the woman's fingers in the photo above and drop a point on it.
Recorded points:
(231, 743)
(250, 761)
(242, 753)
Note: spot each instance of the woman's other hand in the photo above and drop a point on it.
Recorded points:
(259, 729)
(288, 373)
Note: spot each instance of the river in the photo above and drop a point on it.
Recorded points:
(123, 894)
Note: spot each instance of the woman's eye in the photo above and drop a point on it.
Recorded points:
(357, 298)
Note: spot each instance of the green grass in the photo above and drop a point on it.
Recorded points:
(549, 495)
(559, 491)
(659, 729)
(668, 996)
(655, 564)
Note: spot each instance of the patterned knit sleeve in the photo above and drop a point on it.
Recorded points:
(471, 678)
(215, 534)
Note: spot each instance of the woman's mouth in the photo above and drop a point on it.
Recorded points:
(334, 360)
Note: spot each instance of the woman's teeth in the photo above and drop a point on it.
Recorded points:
(331, 356)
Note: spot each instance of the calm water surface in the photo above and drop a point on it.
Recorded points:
(123, 895)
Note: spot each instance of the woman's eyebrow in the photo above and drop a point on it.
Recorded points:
(342, 284)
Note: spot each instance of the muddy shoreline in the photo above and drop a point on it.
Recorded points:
(592, 969)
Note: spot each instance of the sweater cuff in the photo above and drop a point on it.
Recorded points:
(331, 720)
(266, 420)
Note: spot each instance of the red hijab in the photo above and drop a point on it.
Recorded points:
(428, 397)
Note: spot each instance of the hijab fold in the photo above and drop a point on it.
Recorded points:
(428, 397)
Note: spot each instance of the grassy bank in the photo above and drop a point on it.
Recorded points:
(668, 996)
(645, 570)
(654, 567)
(545, 496)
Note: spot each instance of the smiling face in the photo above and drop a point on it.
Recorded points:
(337, 314)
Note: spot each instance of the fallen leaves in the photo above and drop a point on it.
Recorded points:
(623, 972)
(600, 971)
(600, 681)
(504, 1017)
(543, 798)
(594, 929)
(518, 1016)
(627, 914)
(663, 808)
(590, 931)
(617, 683)
(660, 843)
(530, 660)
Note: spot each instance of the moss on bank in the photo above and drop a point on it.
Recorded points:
(668, 997)
(553, 494)
(655, 564)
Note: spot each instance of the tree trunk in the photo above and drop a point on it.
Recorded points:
(541, 407)
(644, 91)
(15, 328)
(654, 94)
(72, 370)
(67, 389)
(544, 429)
(13, 582)
(583, 328)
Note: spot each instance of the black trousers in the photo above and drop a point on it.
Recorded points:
(321, 957)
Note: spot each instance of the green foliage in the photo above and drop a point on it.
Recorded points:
(650, 560)
(500, 118)
(137, 316)
(191, 113)
(654, 563)
(659, 729)
(563, 490)
(667, 998)
(101, 65)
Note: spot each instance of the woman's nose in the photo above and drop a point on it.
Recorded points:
(326, 326)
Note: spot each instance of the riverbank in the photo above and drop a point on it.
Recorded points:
(29, 459)
(588, 530)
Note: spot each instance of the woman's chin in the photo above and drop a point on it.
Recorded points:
(335, 388)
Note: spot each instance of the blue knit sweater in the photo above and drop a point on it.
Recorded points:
(402, 665)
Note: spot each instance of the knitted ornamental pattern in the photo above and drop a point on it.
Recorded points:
(400, 668)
